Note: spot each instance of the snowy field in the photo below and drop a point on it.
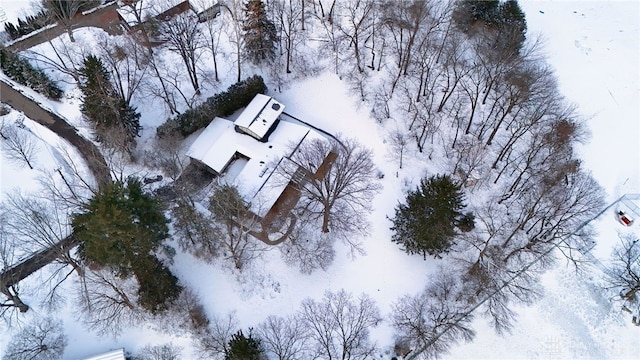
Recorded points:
(594, 48)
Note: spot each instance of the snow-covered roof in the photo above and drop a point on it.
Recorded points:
(256, 178)
(260, 115)
(146, 8)
(111, 355)
(201, 5)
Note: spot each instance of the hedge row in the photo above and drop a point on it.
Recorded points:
(22, 72)
(223, 104)
(30, 24)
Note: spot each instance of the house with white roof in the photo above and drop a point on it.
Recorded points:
(253, 151)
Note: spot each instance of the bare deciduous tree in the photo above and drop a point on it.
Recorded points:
(107, 303)
(434, 319)
(233, 28)
(20, 146)
(338, 186)
(12, 303)
(623, 274)
(339, 325)
(288, 16)
(195, 232)
(212, 35)
(308, 249)
(39, 225)
(167, 156)
(214, 342)
(127, 62)
(184, 37)
(159, 352)
(43, 340)
(355, 24)
(233, 215)
(63, 11)
(284, 338)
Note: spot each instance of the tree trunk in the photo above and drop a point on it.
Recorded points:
(15, 299)
(70, 32)
(325, 220)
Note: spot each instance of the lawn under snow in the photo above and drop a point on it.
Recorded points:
(594, 48)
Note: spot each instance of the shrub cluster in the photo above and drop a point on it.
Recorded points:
(225, 103)
(30, 24)
(22, 72)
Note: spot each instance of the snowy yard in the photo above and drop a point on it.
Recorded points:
(593, 48)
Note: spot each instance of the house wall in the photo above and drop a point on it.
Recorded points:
(174, 11)
(209, 13)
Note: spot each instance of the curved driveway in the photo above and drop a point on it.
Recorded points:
(92, 156)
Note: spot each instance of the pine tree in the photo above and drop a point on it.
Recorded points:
(98, 102)
(426, 223)
(512, 24)
(244, 348)
(119, 225)
(158, 286)
(121, 229)
(260, 33)
(102, 105)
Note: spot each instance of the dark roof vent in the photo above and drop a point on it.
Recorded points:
(275, 106)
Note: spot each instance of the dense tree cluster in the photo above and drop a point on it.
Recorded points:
(21, 71)
(121, 229)
(471, 98)
(336, 327)
(27, 25)
(225, 103)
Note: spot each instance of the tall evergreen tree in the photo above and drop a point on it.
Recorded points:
(102, 105)
(260, 33)
(425, 224)
(98, 93)
(512, 24)
(121, 228)
(242, 347)
(120, 225)
(505, 19)
(157, 285)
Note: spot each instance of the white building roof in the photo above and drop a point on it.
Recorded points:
(146, 8)
(257, 180)
(201, 5)
(111, 355)
(261, 113)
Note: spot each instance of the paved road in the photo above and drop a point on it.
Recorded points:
(94, 159)
(105, 18)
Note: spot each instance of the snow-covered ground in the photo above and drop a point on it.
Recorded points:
(594, 48)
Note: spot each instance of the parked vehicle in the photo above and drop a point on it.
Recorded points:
(624, 218)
